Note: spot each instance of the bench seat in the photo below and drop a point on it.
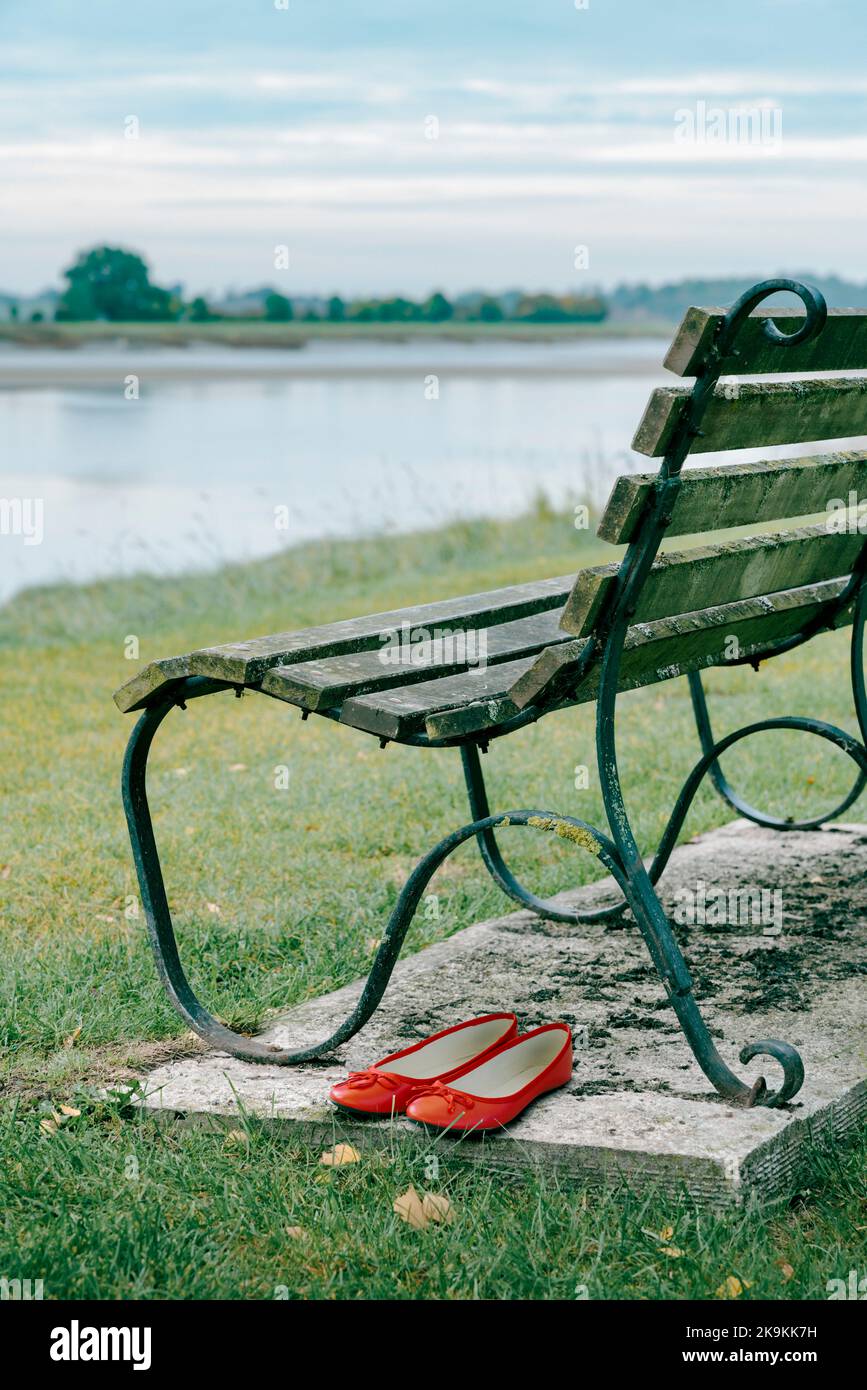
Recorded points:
(246, 663)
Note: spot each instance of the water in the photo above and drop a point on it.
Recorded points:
(228, 454)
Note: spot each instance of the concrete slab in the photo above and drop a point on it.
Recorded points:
(790, 965)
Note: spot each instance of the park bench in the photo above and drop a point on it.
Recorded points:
(646, 618)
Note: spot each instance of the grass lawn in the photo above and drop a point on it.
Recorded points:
(109, 1206)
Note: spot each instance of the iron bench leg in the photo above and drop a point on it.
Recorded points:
(651, 917)
(734, 799)
(161, 930)
(496, 865)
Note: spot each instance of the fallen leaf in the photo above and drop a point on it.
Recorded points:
(410, 1209)
(237, 767)
(213, 907)
(73, 1037)
(296, 1232)
(732, 1287)
(340, 1154)
(70, 1110)
(48, 1126)
(5, 871)
(237, 1136)
(672, 1251)
(437, 1207)
(181, 771)
(785, 1269)
(666, 1233)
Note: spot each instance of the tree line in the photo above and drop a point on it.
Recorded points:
(110, 284)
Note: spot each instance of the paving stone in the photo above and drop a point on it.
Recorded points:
(638, 1106)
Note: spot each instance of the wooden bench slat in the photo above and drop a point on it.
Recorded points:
(737, 494)
(684, 581)
(841, 345)
(474, 701)
(394, 713)
(245, 663)
(760, 414)
(318, 685)
(653, 652)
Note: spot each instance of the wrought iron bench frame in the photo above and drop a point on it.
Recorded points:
(616, 849)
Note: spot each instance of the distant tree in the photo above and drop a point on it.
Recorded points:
(13, 312)
(278, 309)
(362, 310)
(110, 283)
(491, 311)
(336, 309)
(397, 310)
(37, 316)
(436, 309)
(199, 310)
(547, 308)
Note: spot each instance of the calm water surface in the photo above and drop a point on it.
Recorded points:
(202, 469)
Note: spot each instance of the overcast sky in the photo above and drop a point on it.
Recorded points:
(309, 127)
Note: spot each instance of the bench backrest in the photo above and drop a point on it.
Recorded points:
(744, 415)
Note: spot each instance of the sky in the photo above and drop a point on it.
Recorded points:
(395, 147)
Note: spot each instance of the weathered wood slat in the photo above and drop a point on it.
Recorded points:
(684, 581)
(653, 652)
(394, 713)
(737, 494)
(152, 682)
(656, 651)
(318, 685)
(841, 345)
(245, 663)
(747, 415)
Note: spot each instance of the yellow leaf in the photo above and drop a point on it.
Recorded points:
(73, 1037)
(672, 1251)
(666, 1233)
(296, 1232)
(213, 907)
(70, 1110)
(237, 1136)
(785, 1269)
(731, 1287)
(48, 1126)
(340, 1154)
(237, 767)
(5, 871)
(411, 1210)
(437, 1207)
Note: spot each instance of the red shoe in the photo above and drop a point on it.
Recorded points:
(490, 1093)
(388, 1086)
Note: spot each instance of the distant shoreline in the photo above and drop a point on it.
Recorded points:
(296, 335)
(101, 355)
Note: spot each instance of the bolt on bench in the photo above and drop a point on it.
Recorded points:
(568, 640)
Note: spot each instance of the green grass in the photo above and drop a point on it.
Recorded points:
(81, 1006)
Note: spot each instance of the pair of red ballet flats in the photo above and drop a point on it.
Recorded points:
(478, 1075)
